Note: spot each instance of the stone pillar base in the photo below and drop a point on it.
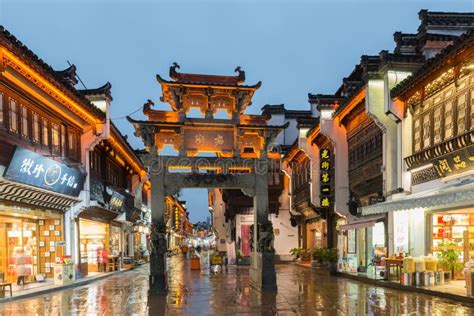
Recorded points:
(262, 272)
(158, 274)
(158, 284)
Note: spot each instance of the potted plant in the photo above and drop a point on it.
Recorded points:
(448, 256)
(318, 257)
(330, 256)
(306, 255)
(238, 256)
(296, 252)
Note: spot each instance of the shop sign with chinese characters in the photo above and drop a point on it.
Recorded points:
(325, 177)
(116, 201)
(33, 169)
(176, 218)
(456, 162)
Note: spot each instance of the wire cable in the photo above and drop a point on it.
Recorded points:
(122, 117)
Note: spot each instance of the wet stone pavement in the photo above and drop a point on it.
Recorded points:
(301, 291)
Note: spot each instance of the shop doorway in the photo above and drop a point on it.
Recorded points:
(32, 239)
(94, 245)
(245, 233)
(18, 237)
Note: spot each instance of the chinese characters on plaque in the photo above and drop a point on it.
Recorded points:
(116, 201)
(325, 177)
(196, 139)
(455, 163)
(33, 169)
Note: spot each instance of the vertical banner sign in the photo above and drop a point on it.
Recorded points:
(176, 217)
(325, 177)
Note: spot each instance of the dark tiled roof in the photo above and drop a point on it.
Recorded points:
(348, 98)
(39, 65)
(273, 109)
(386, 57)
(298, 113)
(207, 81)
(104, 90)
(316, 97)
(202, 79)
(69, 74)
(411, 61)
(307, 121)
(405, 39)
(433, 64)
(351, 83)
(430, 18)
(439, 37)
(269, 109)
(369, 63)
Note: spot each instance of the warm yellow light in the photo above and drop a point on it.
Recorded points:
(47, 85)
(123, 151)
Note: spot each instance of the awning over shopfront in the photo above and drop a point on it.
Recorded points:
(98, 213)
(22, 193)
(452, 196)
(363, 222)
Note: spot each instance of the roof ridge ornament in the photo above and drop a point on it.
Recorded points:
(241, 74)
(147, 106)
(173, 72)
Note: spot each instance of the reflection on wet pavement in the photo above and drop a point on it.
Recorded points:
(301, 291)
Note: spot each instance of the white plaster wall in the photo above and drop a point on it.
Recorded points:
(291, 132)
(312, 151)
(417, 232)
(406, 139)
(314, 110)
(278, 119)
(287, 237)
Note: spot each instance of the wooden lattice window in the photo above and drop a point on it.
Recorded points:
(45, 133)
(437, 125)
(25, 128)
(448, 120)
(13, 116)
(36, 128)
(462, 111)
(55, 138)
(426, 130)
(417, 134)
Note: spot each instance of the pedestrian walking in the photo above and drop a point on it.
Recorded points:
(102, 256)
(21, 271)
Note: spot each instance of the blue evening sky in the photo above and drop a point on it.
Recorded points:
(293, 47)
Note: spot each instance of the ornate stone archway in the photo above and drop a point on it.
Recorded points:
(243, 145)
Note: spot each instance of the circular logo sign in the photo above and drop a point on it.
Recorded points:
(52, 175)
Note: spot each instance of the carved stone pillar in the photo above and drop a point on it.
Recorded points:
(158, 270)
(262, 268)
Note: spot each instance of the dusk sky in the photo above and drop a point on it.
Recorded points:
(293, 47)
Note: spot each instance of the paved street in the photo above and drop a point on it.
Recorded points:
(301, 292)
